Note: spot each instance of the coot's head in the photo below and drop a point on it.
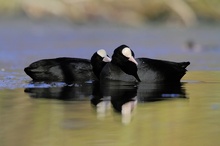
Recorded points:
(98, 61)
(124, 58)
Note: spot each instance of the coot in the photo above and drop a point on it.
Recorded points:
(67, 69)
(124, 67)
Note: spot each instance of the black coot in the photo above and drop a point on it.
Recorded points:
(67, 69)
(98, 61)
(124, 67)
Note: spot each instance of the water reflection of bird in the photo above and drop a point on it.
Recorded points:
(120, 93)
(122, 98)
(67, 69)
(157, 92)
(124, 67)
(75, 92)
(112, 91)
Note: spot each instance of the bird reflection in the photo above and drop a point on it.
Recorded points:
(157, 92)
(121, 96)
(73, 92)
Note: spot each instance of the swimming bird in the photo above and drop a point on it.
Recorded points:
(124, 67)
(98, 61)
(67, 69)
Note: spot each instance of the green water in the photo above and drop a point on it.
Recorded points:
(194, 120)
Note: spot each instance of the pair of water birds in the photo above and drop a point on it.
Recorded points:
(122, 67)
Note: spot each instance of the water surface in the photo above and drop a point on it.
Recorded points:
(55, 118)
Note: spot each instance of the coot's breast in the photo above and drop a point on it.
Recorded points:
(113, 72)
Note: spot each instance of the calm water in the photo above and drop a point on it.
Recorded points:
(68, 115)
(87, 114)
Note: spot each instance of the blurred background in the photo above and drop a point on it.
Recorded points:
(123, 12)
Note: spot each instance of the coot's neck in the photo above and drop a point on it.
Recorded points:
(126, 66)
(98, 68)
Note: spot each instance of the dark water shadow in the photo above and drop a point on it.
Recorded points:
(157, 92)
(117, 93)
(122, 96)
(73, 92)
